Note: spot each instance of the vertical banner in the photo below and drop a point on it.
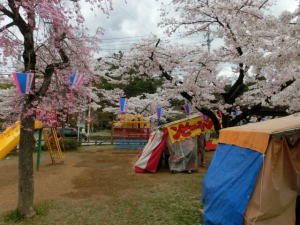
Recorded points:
(122, 104)
(23, 82)
(158, 114)
(75, 80)
(187, 109)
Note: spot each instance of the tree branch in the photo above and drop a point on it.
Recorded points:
(17, 18)
(187, 96)
(152, 54)
(212, 116)
(262, 5)
(287, 84)
(6, 12)
(259, 110)
(164, 73)
(144, 108)
(205, 111)
(50, 69)
(238, 87)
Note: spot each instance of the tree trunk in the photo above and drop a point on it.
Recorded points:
(27, 143)
(26, 182)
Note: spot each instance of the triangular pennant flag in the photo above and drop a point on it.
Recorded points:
(122, 104)
(23, 82)
(75, 80)
(158, 113)
(186, 108)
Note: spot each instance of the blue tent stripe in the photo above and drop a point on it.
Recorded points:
(229, 183)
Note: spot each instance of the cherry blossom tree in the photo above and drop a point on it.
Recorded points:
(141, 62)
(50, 39)
(259, 47)
(132, 84)
(175, 64)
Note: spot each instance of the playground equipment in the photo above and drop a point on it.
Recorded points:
(49, 135)
(10, 138)
(53, 145)
(130, 133)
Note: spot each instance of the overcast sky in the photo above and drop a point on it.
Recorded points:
(130, 21)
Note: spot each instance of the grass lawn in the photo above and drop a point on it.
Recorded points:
(137, 199)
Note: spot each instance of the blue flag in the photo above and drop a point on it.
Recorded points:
(186, 108)
(23, 82)
(158, 113)
(75, 80)
(122, 104)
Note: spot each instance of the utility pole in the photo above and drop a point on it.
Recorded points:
(298, 19)
(209, 39)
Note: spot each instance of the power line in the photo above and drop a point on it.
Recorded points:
(116, 49)
(128, 37)
(128, 45)
(145, 36)
(162, 39)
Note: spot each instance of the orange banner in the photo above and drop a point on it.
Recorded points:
(190, 128)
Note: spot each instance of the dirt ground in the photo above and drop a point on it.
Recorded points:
(95, 172)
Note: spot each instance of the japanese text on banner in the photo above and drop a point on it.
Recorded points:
(189, 129)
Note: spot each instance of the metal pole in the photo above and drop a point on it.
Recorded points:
(39, 149)
(77, 133)
(88, 125)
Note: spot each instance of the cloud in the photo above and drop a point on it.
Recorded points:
(126, 24)
(283, 5)
(131, 21)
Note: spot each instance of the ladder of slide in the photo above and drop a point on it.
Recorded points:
(53, 145)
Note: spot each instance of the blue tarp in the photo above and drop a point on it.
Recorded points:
(229, 183)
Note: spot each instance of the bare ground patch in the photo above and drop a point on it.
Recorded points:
(94, 173)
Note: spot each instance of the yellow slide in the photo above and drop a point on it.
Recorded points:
(10, 138)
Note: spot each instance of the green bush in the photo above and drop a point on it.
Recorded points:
(44, 148)
(176, 117)
(71, 144)
(6, 86)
